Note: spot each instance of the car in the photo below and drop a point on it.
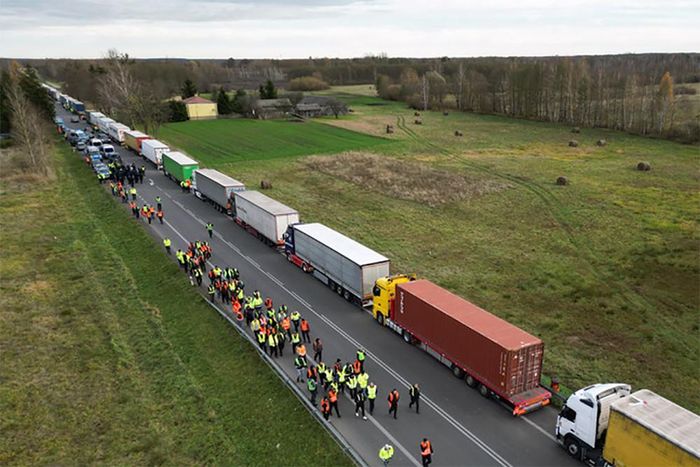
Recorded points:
(81, 146)
(58, 121)
(96, 142)
(75, 119)
(107, 150)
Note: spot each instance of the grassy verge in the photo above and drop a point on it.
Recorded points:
(108, 356)
(604, 270)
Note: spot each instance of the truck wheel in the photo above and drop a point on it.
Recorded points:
(380, 319)
(304, 267)
(331, 285)
(347, 296)
(289, 257)
(339, 290)
(471, 382)
(406, 337)
(483, 390)
(457, 371)
(572, 447)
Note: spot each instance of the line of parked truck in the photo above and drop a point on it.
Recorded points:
(490, 354)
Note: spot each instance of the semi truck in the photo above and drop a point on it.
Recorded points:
(93, 117)
(349, 268)
(263, 216)
(178, 166)
(103, 124)
(607, 425)
(133, 140)
(217, 188)
(490, 354)
(153, 150)
(116, 131)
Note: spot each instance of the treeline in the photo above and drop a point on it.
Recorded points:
(637, 93)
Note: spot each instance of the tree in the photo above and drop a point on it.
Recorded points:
(178, 111)
(336, 106)
(665, 103)
(188, 89)
(5, 121)
(382, 84)
(240, 103)
(223, 103)
(31, 87)
(268, 91)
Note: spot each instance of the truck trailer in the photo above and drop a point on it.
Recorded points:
(103, 124)
(346, 266)
(215, 187)
(153, 150)
(262, 216)
(133, 140)
(116, 131)
(93, 117)
(178, 166)
(499, 359)
(605, 425)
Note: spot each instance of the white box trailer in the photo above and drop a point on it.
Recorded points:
(346, 266)
(211, 185)
(116, 131)
(103, 124)
(263, 216)
(93, 117)
(153, 150)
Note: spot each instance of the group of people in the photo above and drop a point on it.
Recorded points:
(272, 327)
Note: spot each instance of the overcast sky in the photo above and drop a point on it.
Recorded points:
(345, 28)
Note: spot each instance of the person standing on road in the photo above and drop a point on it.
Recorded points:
(305, 330)
(371, 396)
(142, 173)
(414, 392)
(300, 365)
(318, 350)
(211, 291)
(386, 453)
(361, 358)
(166, 244)
(133, 193)
(159, 204)
(272, 342)
(313, 388)
(333, 399)
(360, 398)
(325, 408)
(160, 215)
(426, 452)
(296, 318)
(210, 229)
(393, 402)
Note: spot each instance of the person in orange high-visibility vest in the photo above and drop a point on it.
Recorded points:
(333, 400)
(160, 216)
(325, 408)
(305, 329)
(426, 452)
(393, 402)
(287, 325)
(356, 367)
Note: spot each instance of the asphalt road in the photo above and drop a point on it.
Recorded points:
(464, 427)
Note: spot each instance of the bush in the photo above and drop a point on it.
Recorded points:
(308, 83)
(562, 181)
(178, 111)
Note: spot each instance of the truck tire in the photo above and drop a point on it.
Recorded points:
(331, 285)
(380, 319)
(483, 390)
(289, 257)
(572, 447)
(340, 290)
(304, 267)
(457, 371)
(406, 337)
(471, 382)
(347, 296)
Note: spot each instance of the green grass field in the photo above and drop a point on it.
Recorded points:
(217, 142)
(109, 356)
(604, 270)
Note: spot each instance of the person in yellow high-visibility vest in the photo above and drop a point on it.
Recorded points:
(386, 453)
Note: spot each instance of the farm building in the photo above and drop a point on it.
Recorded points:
(318, 106)
(199, 108)
(272, 108)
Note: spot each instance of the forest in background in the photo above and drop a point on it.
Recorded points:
(646, 94)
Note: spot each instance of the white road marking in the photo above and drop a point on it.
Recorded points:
(539, 428)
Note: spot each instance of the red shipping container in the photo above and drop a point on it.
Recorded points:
(503, 357)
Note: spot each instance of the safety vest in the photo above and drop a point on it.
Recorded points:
(311, 385)
(132, 191)
(329, 375)
(360, 356)
(321, 368)
(300, 362)
(372, 391)
(333, 396)
(414, 391)
(341, 377)
(211, 290)
(386, 454)
(304, 325)
(356, 367)
(272, 340)
(296, 316)
(352, 382)
(261, 337)
(325, 405)
(425, 448)
(258, 302)
(255, 325)
(166, 242)
(295, 338)
(157, 199)
(362, 380)
(393, 397)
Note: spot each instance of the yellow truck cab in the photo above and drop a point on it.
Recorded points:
(384, 292)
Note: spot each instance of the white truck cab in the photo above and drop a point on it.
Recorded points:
(583, 421)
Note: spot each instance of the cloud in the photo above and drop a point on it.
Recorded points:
(299, 28)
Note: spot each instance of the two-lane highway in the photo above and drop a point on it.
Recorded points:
(465, 428)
